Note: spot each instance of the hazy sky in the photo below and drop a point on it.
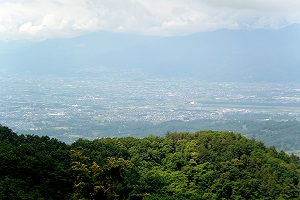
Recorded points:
(42, 19)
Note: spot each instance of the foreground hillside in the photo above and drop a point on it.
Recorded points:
(202, 165)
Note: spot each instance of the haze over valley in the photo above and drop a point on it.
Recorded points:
(82, 86)
(101, 102)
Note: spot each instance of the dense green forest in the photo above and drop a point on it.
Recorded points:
(200, 165)
(284, 135)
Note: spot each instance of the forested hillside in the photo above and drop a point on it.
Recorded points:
(202, 165)
(284, 135)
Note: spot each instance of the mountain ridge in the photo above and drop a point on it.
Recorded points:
(238, 55)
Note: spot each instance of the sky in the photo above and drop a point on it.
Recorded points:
(45, 19)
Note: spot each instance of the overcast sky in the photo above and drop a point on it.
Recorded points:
(42, 19)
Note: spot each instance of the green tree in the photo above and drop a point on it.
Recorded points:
(105, 182)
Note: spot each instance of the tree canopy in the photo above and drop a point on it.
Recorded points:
(200, 165)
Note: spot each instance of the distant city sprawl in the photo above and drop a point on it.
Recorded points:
(48, 102)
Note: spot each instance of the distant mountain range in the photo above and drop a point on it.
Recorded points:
(224, 55)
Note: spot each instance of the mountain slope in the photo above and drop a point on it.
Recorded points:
(202, 165)
(248, 55)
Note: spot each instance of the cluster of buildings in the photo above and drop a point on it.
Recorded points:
(38, 102)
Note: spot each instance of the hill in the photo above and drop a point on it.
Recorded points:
(284, 135)
(202, 165)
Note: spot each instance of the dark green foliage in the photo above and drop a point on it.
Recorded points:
(202, 165)
(33, 167)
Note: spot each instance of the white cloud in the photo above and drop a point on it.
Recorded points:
(40, 19)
